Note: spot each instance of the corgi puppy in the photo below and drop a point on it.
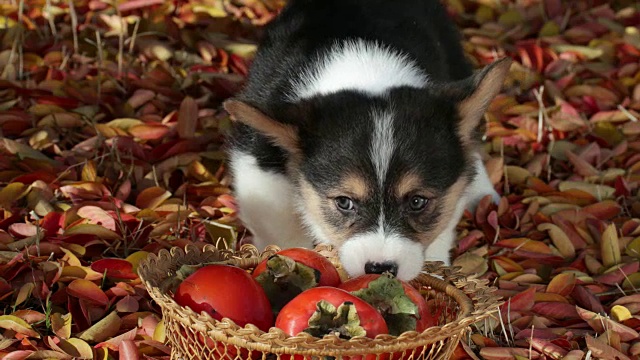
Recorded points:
(359, 126)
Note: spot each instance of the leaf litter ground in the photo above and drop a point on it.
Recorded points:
(110, 149)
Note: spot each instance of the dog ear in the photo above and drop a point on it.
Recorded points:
(485, 85)
(282, 135)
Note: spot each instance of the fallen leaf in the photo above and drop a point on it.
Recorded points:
(103, 329)
(85, 289)
(14, 323)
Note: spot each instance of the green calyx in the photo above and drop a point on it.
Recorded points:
(284, 279)
(342, 321)
(387, 295)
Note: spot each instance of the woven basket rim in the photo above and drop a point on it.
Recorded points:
(480, 303)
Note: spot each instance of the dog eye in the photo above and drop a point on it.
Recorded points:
(344, 203)
(418, 203)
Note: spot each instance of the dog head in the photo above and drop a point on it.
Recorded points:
(379, 177)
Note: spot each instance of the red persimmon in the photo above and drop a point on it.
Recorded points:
(289, 272)
(326, 310)
(401, 305)
(226, 291)
(327, 273)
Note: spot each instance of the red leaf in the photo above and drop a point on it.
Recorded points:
(617, 276)
(586, 299)
(115, 268)
(521, 302)
(128, 350)
(51, 223)
(553, 8)
(556, 310)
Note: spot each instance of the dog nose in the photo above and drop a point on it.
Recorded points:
(379, 268)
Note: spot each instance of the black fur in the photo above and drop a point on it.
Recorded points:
(336, 130)
(306, 28)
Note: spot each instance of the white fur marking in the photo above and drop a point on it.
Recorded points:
(265, 204)
(378, 247)
(358, 65)
(382, 144)
(481, 185)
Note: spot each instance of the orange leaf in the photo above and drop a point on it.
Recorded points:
(526, 245)
(187, 118)
(562, 284)
(149, 131)
(152, 197)
(550, 297)
(85, 289)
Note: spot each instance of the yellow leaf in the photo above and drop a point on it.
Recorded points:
(18, 325)
(633, 249)
(600, 192)
(77, 348)
(559, 239)
(89, 171)
(7, 22)
(11, 193)
(159, 333)
(550, 28)
(61, 325)
(517, 175)
(92, 229)
(212, 11)
(124, 123)
(24, 293)
(631, 282)
(80, 272)
(510, 18)
(471, 263)
(135, 259)
(610, 246)
(103, 329)
(110, 132)
(620, 313)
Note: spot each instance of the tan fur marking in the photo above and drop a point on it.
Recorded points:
(472, 109)
(447, 207)
(407, 183)
(354, 186)
(314, 205)
(284, 136)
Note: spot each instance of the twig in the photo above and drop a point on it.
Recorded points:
(627, 113)
(100, 65)
(74, 26)
(52, 24)
(21, 41)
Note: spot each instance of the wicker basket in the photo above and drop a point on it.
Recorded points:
(467, 300)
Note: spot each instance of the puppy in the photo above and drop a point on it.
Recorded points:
(359, 127)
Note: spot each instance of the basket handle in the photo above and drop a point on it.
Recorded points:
(466, 305)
